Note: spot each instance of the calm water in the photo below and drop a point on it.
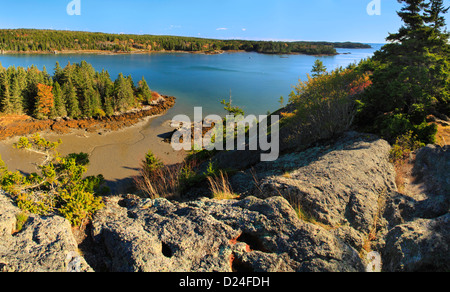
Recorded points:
(256, 82)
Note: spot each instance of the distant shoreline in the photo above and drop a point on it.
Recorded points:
(145, 52)
(55, 41)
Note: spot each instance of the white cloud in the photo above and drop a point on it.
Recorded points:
(244, 29)
(222, 28)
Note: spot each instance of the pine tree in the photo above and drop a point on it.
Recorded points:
(16, 97)
(440, 48)
(109, 106)
(435, 17)
(33, 78)
(58, 73)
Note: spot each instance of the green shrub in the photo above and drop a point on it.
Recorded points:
(59, 187)
(403, 147)
(36, 204)
(21, 219)
(78, 205)
(151, 162)
(325, 106)
(393, 126)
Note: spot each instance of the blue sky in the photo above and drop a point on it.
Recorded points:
(317, 20)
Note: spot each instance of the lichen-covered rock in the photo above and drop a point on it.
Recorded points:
(345, 191)
(210, 235)
(419, 237)
(343, 184)
(420, 245)
(432, 172)
(44, 244)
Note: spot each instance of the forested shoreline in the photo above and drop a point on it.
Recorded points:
(75, 91)
(50, 41)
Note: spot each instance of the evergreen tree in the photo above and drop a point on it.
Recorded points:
(60, 107)
(58, 73)
(72, 104)
(109, 105)
(77, 90)
(318, 69)
(33, 78)
(144, 93)
(412, 77)
(16, 98)
(123, 94)
(5, 100)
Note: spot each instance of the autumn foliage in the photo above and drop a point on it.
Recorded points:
(325, 105)
(44, 101)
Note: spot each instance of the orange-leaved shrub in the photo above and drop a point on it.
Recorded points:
(325, 106)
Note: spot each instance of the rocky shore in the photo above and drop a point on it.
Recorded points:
(27, 126)
(345, 187)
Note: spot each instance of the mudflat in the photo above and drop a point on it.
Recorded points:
(116, 146)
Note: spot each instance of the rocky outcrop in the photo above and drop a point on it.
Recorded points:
(322, 209)
(422, 245)
(210, 235)
(44, 244)
(342, 185)
(419, 219)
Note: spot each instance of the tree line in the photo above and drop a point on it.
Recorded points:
(75, 91)
(32, 40)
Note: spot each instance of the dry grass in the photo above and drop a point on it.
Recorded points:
(403, 173)
(163, 182)
(220, 187)
(373, 232)
(443, 135)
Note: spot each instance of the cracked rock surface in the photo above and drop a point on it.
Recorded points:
(44, 244)
(210, 235)
(347, 187)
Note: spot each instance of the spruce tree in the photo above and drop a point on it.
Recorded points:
(412, 77)
(16, 97)
(60, 107)
(143, 92)
(5, 100)
(72, 104)
(318, 69)
(123, 94)
(58, 73)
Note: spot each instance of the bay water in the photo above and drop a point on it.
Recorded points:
(255, 82)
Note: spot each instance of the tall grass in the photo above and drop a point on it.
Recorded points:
(168, 181)
(220, 187)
